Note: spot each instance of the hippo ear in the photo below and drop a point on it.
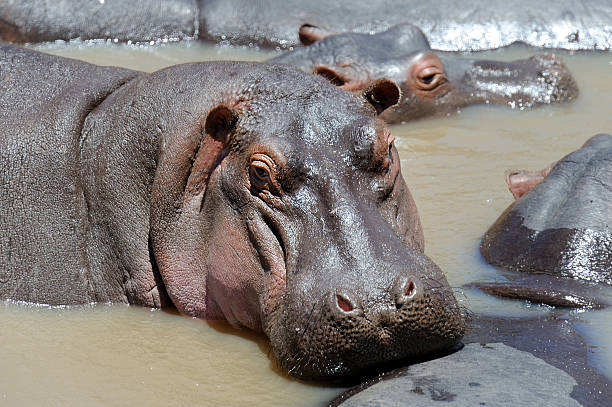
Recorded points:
(382, 94)
(309, 34)
(333, 75)
(219, 123)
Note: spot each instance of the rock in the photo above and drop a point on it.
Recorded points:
(491, 374)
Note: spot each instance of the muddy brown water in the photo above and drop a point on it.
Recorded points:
(103, 355)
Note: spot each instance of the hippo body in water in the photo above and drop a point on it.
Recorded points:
(432, 83)
(248, 192)
(450, 25)
(560, 225)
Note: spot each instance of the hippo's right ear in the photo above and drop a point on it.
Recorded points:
(219, 123)
(309, 34)
(382, 94)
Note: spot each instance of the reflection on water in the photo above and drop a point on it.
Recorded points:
(118, 355)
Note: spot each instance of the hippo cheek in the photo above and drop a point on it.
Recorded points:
(269, 243)
(234, 276)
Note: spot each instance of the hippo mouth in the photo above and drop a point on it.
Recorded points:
(362, 341)
(344, 334)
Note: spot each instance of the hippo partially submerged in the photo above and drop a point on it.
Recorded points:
(248, 192)
(561, 223)
(432, 83)
(450, 25)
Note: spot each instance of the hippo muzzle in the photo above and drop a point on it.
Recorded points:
(335, 327)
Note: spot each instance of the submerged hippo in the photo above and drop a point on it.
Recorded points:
(561, 224)
(432, 83)
(253, 193)
(450, 25)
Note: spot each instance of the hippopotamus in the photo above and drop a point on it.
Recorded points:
(246, 192)
(432, 83)
(115, 20)
(450, 25)
(560, 225)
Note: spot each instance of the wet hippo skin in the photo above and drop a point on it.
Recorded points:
(130, 20)
(432, 82)
(563, 225)
(450, 26)
(246, 192)
(560, 225)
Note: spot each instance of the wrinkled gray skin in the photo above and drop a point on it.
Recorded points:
(248, 192)
(123, 20)
(561, 223)
(450, 25)
(432, 83)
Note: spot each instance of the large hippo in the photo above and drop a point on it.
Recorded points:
(432, 83)
(560, 225)
(450, 25)
(253, 193)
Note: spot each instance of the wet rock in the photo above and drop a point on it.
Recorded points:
(506, 362)
(479, 375)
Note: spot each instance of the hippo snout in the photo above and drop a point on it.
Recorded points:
(358, 325)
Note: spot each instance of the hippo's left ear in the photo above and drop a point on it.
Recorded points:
(219, 122)
(382, 94)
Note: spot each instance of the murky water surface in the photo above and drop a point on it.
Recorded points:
(118, 355)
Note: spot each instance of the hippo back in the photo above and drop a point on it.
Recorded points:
(44, 101)
(563, 226)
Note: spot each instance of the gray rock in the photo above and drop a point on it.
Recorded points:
(478, 375)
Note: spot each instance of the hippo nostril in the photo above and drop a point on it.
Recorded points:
(410, 289)
(344, 304)
(406, 289)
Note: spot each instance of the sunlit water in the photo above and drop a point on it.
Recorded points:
(118, 355)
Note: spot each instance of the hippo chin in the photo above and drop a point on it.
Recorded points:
(560, 225)
(432, 83)
(252, 193)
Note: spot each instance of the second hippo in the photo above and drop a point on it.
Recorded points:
(560, 226)
(433, 83)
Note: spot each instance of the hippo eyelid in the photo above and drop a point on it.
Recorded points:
(262, 173)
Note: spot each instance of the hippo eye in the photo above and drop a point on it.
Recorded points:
(428, 73)
(430, 78)
(259, 172)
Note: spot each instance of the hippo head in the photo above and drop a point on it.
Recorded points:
(291, 217)
(432, 83)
